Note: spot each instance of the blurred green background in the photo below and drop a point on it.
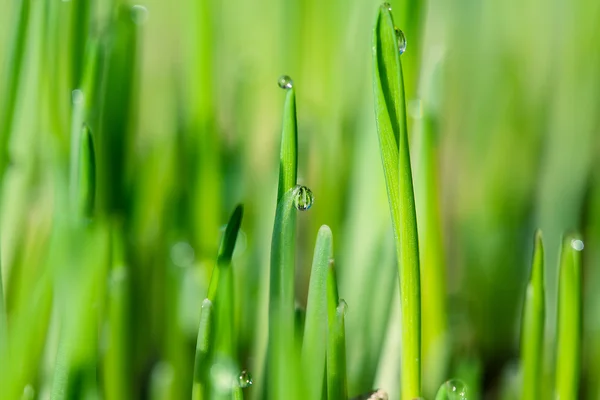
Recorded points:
(186, 115)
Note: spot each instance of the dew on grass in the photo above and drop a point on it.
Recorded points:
(454, 389)
(285, 82)
(304, 198)
(77, 96)
(139, 14)
(577, 244)
(378, 394)
(401, 41)
(245, 379)
(386, 6)
(342, 307)
(182, 254)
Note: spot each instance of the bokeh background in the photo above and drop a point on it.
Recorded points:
(187, 118)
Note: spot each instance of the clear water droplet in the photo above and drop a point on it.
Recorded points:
(245, 379)
(342, 307)
(77, 96)
(182, 254)
(386, 6)
(454, 389)
(139, 14)
(378, 394)
(285, 82)
(304, 198)
(577, 244)
(401, 41)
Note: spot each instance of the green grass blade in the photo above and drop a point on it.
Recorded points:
(201, 386)
(568, 352)
(532, 330)
(390, 113)
(12, 80)
(431, 251)
(281, 293)
(314, 348)
(226, 250)
(288, 161)
(87, 173)
(337, 387)
(281, 299)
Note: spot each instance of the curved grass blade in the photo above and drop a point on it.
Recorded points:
(390, 110)
(314, 347)
(431, 252)
(568, 352)
(532, 331)
(337, 387)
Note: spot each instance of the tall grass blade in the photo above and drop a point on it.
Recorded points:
(206, 329)
(568, 351)
(281, 357)
(87, 173)
(390, 112)
(314, 348)
(532, 328)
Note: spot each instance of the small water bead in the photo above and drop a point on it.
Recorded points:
(139, 14)
(577, 244)
(401, 41)
(285, 82)
(454, 389)
(304, 198)
(342, 307)
(245, 379)
(386, 6)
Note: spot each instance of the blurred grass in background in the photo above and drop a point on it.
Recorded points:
(183, 104)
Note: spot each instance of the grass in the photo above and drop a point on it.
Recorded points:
(130, 133)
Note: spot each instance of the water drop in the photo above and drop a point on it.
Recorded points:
(139, 14)
(245, 379)
(375, 395)
(182, 254)
(342, 307)
(76, 96)
(401, 40)
(285, 82)
(304, 198)
(577, 244)
(386, 6)
(454, 389)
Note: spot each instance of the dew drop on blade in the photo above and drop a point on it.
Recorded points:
(342, 307)
(304, 198)
(454, 389)
(245, 379)
(139, 14)
(401, 40)
(577, 244)
(386, 6)
(285, 82)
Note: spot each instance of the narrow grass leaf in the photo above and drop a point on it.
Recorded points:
(288, 159)
(390, 113)
(532, 328)
(568, 352)
(314, 347)
(206, 329)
